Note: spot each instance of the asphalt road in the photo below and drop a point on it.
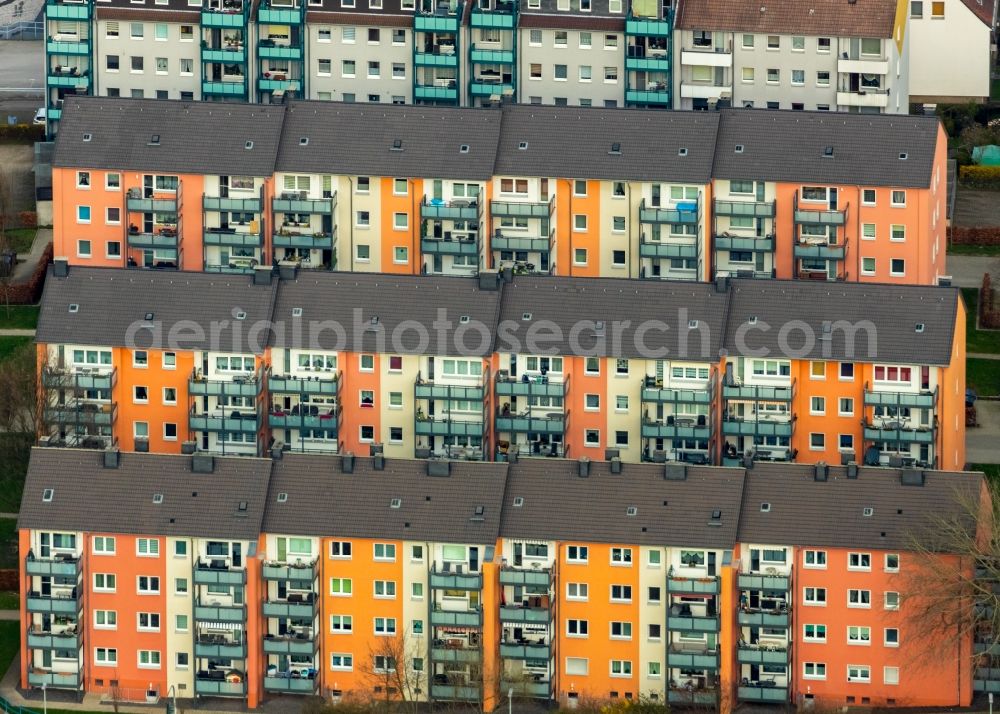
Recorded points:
(22, 81)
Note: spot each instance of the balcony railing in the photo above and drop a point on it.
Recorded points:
(532, 615)
(240, 205)
(445, 426)
(519, 209)
(677, 427)
(693, 697)
(668, 248)
(291, 685)
(68, 604)
(456, 618)
(526, 577)
(297, 609)
(455, 692)
(759, 392)
(525, 650)
(430, 389)
(530, 385)
(692, 623)
(924, 399)
(216, 572)
(215, 648)
(291, 645)
(317, 240)
(235, 16)
(659, 395)
(775, 583)
(764, 692)
(761, 654)
(454, 210)
(529, 688)
(527, 423)
(501, 17)
(68, 567)
(242, 385)
(210, 612)
(783, 426)
(764, 618)
(455, 654)
(231, 238)
(240, 422)
(695, 586)
(61, 10)
(899, 430)
(754, 244)
(296, 202)
(448, 577)
(684, 658)
(819, 251)
(449, 245)
(819, 217)
(500, 241)
(306, 416)
(683, 212)
(291, 13)
(326, 384)
(296, 572)
(637, 26)
(164, 243)
(53, 641)
(220, 687)
(754, 209)
(137, 203)
(54, 680)
(82, 413)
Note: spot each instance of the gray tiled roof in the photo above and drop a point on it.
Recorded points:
(565, 142)
(862, 18)
(644, 305)
(806, 512)
(789, 146)
(89, 497)
(112, 303)
(886, 317)
(560, 505)
(357, 140)
(195, 137)
(323, 500)
(398, 301)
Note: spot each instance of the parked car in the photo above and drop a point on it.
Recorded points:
(39, 116)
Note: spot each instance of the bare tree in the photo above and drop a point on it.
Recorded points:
(950, 581)
(389, 668)
(6, 218)
(19, 391)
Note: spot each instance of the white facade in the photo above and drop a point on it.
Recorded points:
(151, 60)
(571, 67)
(961, 73)
(362, 63)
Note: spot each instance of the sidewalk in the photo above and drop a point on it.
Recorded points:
(983, 355)
(26, 263)
(17, 333)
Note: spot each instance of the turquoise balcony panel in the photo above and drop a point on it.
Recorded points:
(432, 93)
(430, 59)
(225, 55)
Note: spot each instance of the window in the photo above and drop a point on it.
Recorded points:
(135, 30)
(621, 593)
(814, 596)
(897, 267)
(416, 591)
(621, 630)
(367, 363)
(891, 600)
(400, 221)
(576, 554)
(363, 219)
(577, 591)
(845, 406)
(653, 594)
(104, 582)
(104, 545)
(814, 559)
(180, 586)
(773, 76)
(891, 637)
(859, 635)
(916, 9)
(898, 198)
(621, 556)
(654, 631)
(347, 69)
(891, 562)
(858, 673)
(340, 586)
(897, 232)
(148, 621)
(374, 68)
(747, 75)
(137, 64)
(560, 38)
(868, 266)
(592, 402)
(859, 561)
(148, 547)
(579, 256)
(618, 258)
(817, 441)
(890, 675)
(340, 549)
(148, 584)
(621, 668)
(773, 42)
(106, 619)
(577, 666)
(385, 551)
(340, 624)
(385, 589)
(798, 44)
(813, 670)
(937, 10)
(798, 77)
(140, 394)
(83, 214)
(814, 633)
(576, 628)
(859, 598)
(181, 623)
(341, 662)
(385, 625)
(559, 72)
(362, 253)
(592, 366)
(610, 43)
(161, 66)
(748, 42)
(592, 437)
(817, 406)
(106, 656)
(823, 45)
(621, 403)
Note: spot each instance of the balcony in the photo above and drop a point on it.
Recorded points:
(296, 202)
(525, 650)
(754, 209)
(764, 426)
(455, 210)
(503, 17)
(271, 13)
(53, 680)
(427, 389)
(219, 687)
(68, 567)
(466, 245)
(241, 385)
(684, 212)
(687, 622)
(531, 244)
(306, 645)
(298, 609)
(652, 97)
(536, 580)
(163, 242)
(217, 647)
(291, 685)
(233, 88)
(819, 251)
(239, 205)
(649, 26)
(216, 572)
(773, 583)
(446, 92)
(82, 414)
(764, 618)
(702, 90)
(692, 586)
(235, 422)
(62, 10)
(899, 430)
(438, 23)
(653, 59)
(136, 203)
(818, 217)
(68, 48)
(651, 394)
(755, 244)
(870, 97)
(213, 612)
(520, 614)
(451, 577)
(680, 247)
(761, 654)
(68, 604)
(924, 399)
(529, 385)
(707, 698)
(306, 416)
(487, 85)
(454, 692)
(758, 392)
(707, 56)
(297, 572)
(69, 80)
(526, 209)
(490, 55)
(327, 385)
(685, 658)
(318, 240)
(231, 238)
(443, 426)
(677, 427)
(232, 54)
(279, 83)
(455, 654)
(230, 17)
(438, 56)
(763, 693)
(531, 689)
(269, 50)
(552, 423)
(456, 618)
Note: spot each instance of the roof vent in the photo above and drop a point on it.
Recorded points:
(303, 141)
(243, 506)
(599, 327)
(616, 149)
(674, 472)
(463, 149)
(439, 468)
(60, 267)
(347, 463)
(632, 511)
(154, 140)
(752, 320)
(739, 148)
(112, 458)
(903, 156)
(157, 498)
(47, 495)
(396, 503)
(919, 327)
(692, 324)
(868, 511)
(911, 477)
(296, 312)
(148, 316)
(828, 152)
(240, 315)
(765, 507)
(518, 502)
(821, 472)
(74, 307)
(88, 136)
(682, 151)
(397, 145)
(248, 145)
(583, 467)
(202, 463)
(463, 319)
(525, 316)
(282, 497)
(522, 146)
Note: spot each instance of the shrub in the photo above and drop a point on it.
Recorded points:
(22, 133)
(975, 176)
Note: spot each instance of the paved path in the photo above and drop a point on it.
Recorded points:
(983, 355)
(9, 614)
(26, 263)
(981, 442)
(966, 271)
(17, 333)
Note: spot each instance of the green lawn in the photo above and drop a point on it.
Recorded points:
(974, 250)
(10, 641)
(9, 344)
(14, 452)
(995, 88)
(978, 340)
(21, 239)
(8, 543)
(983, 376)
(9, 601)
(19, 317)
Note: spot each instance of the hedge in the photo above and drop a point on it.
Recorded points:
(970, 235)
(976, 176)
(29, 293)
(22, 132)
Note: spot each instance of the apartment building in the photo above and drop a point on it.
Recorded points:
(645, 370)
(592, 193)
(967, 29)
(459, 582)
(833, 55)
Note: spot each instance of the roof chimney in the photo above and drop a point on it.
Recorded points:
(821, 472)
(439, 468)
(911, 477)
(112, 458)
(611, 453)
(287, 271)
(378, 463)
(60, 267)
(262, 275)
(376, 449)
(277, 450)
(852, 471)
(489, 280)
(721, 284)
(583, 467)
(616, 465)
(202, 463)
(674, 472)
(142, 444)
(189, 447)
(347, 463)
